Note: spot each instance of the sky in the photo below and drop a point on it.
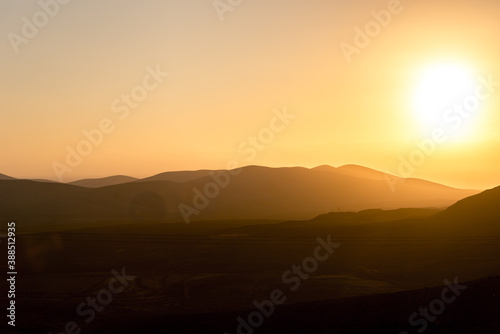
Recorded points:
(93, 88)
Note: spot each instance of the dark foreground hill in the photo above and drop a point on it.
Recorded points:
(473, 310)
(480, 212)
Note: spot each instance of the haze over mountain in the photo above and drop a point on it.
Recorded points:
(300, 193)
(178, 176)
(255, 193)
(359, 171)
(6, 177)
(103, 182)
(473, 219)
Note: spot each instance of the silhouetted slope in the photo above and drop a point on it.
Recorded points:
(31, 200)
(36, 201)
(103, 182)
(480, 206)
(142, 201)
(373, 216)
(479, 213)
(6, 177)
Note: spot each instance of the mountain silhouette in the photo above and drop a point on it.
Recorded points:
(255, 193)
(479, 214)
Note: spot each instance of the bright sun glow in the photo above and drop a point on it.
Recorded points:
(438, 88)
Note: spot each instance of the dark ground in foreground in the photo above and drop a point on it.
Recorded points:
(201, 278)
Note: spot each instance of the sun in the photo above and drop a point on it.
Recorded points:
(438, 87)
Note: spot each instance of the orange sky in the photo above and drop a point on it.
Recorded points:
(228, 78)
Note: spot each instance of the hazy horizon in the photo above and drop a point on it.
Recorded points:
(206, 82)
(69, 180)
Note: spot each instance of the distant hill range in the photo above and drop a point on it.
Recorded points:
(254, 193)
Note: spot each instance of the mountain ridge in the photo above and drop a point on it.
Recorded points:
(255, 193)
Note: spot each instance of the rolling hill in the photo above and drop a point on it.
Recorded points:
(478, 214)
(301, 193)
(255, 193)
(485, 205)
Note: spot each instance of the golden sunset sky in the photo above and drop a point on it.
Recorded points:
(231, 71)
